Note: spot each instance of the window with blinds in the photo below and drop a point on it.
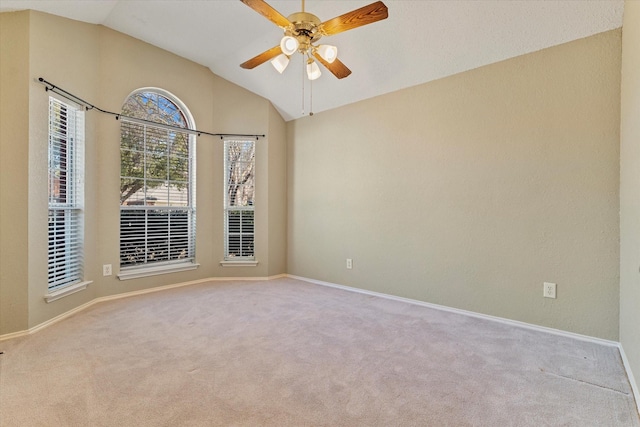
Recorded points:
(157, 184)
(66, 139)
(239, 225)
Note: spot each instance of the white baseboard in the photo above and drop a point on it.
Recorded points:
(58, 318)
(464, 312)
(608, 343)
(11, 335)
(126, 295)
(632, 379)
(625, 361)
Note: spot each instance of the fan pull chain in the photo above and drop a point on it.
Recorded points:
(310, 98)
(303, 62)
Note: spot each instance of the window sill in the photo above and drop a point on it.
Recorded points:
(136, 273)
(239, 263)
(66, 290)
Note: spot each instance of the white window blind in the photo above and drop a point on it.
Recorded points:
(239, 205)
(66, 139)
(157, 186)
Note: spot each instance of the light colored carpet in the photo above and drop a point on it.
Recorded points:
(289, 353)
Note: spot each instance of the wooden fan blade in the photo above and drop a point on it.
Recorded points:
(356, 18)
(268, 12)
(262, 58)
(336, 67)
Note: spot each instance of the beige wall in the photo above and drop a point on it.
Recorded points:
(49, 44)
(469, 191)
(104, 67)
(473, 190)
(630, 188)
(14, 172)
(278, 203)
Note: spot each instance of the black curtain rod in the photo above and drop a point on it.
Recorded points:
(88, 106)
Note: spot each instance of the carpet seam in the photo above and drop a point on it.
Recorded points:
(588, 383)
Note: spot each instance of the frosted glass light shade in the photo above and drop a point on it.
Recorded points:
(280, 62)
(289, 45)
(328, 53)
(313, 71)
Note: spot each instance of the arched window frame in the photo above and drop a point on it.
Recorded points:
(157, 234)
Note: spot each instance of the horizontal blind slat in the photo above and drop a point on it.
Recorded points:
(239, 203)
(65, 247)
(157, 212)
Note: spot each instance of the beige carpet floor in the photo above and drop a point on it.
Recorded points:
(290, 353)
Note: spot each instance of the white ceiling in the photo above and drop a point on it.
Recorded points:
(419, 42)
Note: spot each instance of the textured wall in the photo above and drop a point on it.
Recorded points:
(469, 191)
(277, 187)
(104, 67)
(630, 188)
(473, 190)
(14, 173)
(49, 42)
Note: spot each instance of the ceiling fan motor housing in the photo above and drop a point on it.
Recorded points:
(305, 28)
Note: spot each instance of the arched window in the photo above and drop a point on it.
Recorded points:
(157, 183)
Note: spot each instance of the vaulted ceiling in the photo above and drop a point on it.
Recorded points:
(420, 41)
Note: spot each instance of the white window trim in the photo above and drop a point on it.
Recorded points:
(154, 270)
(64, 291)
(239, 263)
(76, 189)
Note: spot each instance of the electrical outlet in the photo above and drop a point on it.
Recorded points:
(106, 270)
(549, 290)
(349, 263)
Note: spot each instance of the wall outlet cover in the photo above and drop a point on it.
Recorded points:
(549, 290)
(106, 270)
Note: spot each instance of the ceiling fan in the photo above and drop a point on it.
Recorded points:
(302, 30)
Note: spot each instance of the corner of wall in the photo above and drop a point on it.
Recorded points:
(630, 193)
(277, 140)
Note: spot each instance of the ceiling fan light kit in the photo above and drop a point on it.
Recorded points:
(280, 62)
(313, 71)
(302, 30)
(329, 53)
(289, 45)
